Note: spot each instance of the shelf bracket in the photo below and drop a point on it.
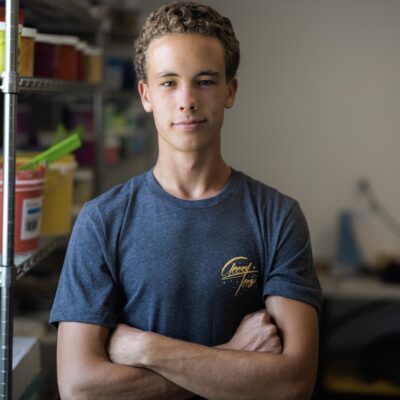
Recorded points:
(10, 82)
(7, 276)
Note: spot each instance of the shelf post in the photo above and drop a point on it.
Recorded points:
(98, 113)
(7, 275)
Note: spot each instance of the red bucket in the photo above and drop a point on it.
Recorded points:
(28, 209)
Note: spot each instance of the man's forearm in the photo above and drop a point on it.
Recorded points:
(105, 380)
(225, 374)
(84, 370)
(254, 364)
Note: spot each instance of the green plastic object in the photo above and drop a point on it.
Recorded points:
(54, 152)
(60, 134)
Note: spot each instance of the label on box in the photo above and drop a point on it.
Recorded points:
(31, 216)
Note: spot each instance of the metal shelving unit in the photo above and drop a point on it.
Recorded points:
(41, 85)
(79, 14)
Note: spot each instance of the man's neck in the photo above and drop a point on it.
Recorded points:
(190, 177)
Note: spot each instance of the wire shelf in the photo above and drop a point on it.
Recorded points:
(52, 85)
(24, 263)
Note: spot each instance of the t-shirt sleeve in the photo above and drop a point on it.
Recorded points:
(290, 271)
(87, 290)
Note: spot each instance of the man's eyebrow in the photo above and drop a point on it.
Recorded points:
(209, 73)
(166, 74)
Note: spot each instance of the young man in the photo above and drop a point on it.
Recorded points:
(192, 279)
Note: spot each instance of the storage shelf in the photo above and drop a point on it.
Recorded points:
(88, 20)
(61, 15)
(35, 85)
(24, 263)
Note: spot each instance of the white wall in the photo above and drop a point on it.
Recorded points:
(319, 107)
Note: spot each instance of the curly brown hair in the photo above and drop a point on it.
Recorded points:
(187, 17)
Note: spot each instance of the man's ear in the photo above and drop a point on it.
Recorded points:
(232, 90)
(144, 96)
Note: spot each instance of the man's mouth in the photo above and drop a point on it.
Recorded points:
(189, 124)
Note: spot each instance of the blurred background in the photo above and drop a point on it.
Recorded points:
(317, 117)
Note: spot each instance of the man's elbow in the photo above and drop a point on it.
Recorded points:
(301, 391)
(301, 387)
(73, 389)
(296, 382)
(71, 393)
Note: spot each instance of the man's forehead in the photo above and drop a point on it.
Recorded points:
(190, 41)
(173, 53)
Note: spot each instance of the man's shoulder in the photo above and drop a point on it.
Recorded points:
(116, 199)
(265, 195)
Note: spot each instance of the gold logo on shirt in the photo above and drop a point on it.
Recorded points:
(241, 272)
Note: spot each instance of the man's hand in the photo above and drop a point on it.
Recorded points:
(256, 332)
(125, 344)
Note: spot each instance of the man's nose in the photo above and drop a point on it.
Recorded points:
(187, 100)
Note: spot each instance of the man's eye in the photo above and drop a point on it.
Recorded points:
(167, 83)
(205, 82)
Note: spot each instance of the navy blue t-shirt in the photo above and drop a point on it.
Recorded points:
(186, 269)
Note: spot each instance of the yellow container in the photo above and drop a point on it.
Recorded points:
(58, 194)
(3, 44)
(94, 64)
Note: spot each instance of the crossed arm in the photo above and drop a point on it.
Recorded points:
(145, 365)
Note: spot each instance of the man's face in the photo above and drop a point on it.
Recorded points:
(187, 91)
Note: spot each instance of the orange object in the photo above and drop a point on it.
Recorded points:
(28, 209)
(67, 66)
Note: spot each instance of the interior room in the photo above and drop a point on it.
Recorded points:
(316, 116)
